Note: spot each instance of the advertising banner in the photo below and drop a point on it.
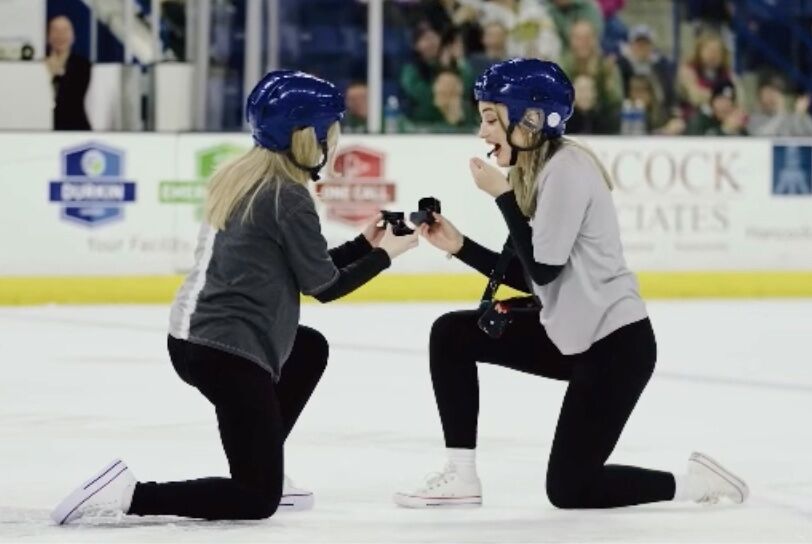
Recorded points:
(131, 204)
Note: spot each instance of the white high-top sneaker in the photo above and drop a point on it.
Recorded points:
(446, 488)
(294, 498)
(108, 493)
(715, 481)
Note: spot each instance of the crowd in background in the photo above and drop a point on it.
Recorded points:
(624, 82)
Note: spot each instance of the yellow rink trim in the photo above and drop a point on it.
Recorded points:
(400, 287)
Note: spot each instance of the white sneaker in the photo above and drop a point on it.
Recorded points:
(446, 488)
(718, 481)
(109, 492)
(294, 498)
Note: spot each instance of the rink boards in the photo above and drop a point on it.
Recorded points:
(104, 217)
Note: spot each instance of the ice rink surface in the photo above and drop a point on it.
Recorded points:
(82, 385)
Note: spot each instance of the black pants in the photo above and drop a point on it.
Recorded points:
(604, 385)
(255, 416)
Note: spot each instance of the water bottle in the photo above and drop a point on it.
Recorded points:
(639, 119)
(627, 118)
(391, 115)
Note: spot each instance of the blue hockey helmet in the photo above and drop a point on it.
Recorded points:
(529, 84)
(287, 100)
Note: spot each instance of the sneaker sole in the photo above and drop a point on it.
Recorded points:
(722, 472)
(65, 512)
(297, 503)
(412, 501)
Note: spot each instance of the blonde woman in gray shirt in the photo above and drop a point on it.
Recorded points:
(234, 331)
(592, 329)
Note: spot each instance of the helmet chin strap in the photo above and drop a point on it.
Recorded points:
(312, 170)
(514, 149)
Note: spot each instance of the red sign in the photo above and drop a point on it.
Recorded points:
(359, 189)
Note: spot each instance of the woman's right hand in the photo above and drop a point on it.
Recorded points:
(397, 245)
(442, 234)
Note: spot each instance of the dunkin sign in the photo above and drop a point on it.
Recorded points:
(359, 188)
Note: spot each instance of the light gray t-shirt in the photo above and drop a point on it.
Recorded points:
(242, 296)
(576, 225)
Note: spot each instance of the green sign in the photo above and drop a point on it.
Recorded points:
(182, 192)
(194, 191)
(209, 159)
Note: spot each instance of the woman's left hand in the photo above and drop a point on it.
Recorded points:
(373, 233)
(488, 178)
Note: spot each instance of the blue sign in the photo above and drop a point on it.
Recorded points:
(92, 189)
(792, 170)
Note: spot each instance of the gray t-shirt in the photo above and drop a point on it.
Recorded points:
(242, 296)
(576, 225)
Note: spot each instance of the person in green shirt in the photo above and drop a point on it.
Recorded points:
(453, 114)
(432, 56)
(566, 12)
(355, 100)
(722, 116)
(584, 57)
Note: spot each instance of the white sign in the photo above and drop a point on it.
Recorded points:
(683, 203)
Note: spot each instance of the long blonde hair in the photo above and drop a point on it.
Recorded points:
(247, 175)
(523, 176)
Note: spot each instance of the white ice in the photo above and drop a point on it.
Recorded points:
(82, 385)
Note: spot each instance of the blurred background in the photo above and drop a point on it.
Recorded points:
(640, 66)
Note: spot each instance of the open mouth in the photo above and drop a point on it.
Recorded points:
(495, 150)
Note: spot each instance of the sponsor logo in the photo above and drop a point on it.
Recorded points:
(92, 189)
(193, 192)
(359, 189)
(792, 170)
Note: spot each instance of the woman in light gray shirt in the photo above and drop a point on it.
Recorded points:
(592, 329)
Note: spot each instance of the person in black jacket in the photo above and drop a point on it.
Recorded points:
(70, 76)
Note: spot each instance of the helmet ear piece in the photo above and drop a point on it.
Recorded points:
(533, 120)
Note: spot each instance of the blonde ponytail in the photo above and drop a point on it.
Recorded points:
(250, 173)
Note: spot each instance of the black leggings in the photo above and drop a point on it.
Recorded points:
(604, 385)
(255, 416)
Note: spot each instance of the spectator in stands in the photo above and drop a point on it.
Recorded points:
(70, 76)
(643, 90)
(721, 116)
(614, 30)
(456, 113)
(431, 58)
(713, 15)
(565, 13)
(457, 16)
(709, 66)
(588, 116)
(641, 57)
(531, 30)
(494, 41)
(584, 58)
(774, 117)
(355, 100)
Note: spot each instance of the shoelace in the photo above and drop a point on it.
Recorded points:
(713, 493)
(102, 510)
(434, 479)
(710, 498)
